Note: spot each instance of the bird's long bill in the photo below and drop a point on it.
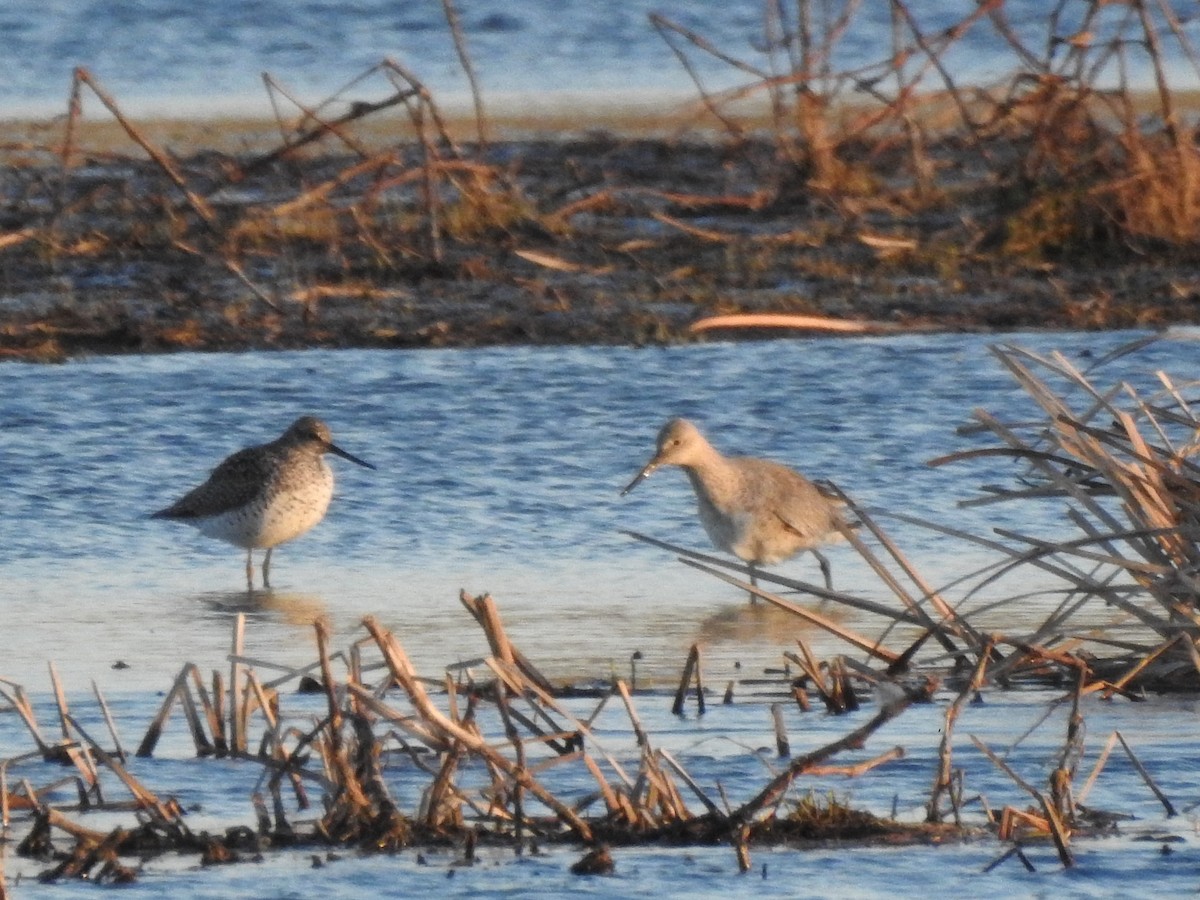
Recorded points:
(338, 451)
(641, 476)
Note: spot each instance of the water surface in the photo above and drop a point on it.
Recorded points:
(499, 471)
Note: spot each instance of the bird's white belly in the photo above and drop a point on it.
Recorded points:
(272, 518)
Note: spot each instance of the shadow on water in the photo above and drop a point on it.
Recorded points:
(762, 623)
(265, 605)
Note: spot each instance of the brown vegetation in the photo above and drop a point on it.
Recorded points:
(893, 194)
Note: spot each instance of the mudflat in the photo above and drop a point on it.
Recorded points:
(230, 235)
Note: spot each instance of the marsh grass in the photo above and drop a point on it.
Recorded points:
(806, 189)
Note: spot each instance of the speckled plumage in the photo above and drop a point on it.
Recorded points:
(760, 511)
(262, 496)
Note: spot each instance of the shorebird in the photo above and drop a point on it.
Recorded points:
(262, 496)
(760, 511)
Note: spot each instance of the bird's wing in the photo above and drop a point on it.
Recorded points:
(235, 482)
(799, 505)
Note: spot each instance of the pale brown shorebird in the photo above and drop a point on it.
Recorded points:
(262, 496)
(760, 511)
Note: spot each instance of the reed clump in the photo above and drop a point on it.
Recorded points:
(496, 755)
(1081, 158)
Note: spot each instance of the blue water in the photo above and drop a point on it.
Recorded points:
(197, 57)
(499, 470)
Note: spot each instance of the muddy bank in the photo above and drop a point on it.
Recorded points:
(577, 239)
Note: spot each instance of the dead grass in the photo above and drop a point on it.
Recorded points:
(807, 190)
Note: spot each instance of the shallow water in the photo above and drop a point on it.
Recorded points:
(170, 57)
(499, 470)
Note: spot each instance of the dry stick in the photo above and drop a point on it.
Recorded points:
(20, 702)
(638, 731)
(321, 627)
(211, 715)
(61, 699)
(108, 722)
(1058, 832)
(860, 768)
(1006, 769)
(322, 191)
(1137, 764)
(237, 740)
(798, 766)
(665, 27)
(690, 782)
(357, 111)
(194, 200)
(167, 816)
(950, 619)
(692, 665)
(203, 746)
(402, 670)
(782, 747)
(1098, 767)
(943, 778)
(510, 678)
(483, 610)
(154, 732)
(464, 59)
(1143, 663)
(582, 727)
(412, 726)
(277, 751)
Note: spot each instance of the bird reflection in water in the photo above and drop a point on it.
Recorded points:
(267, 605)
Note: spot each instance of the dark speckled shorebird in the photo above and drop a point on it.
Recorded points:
(262, 496)
(760, 511)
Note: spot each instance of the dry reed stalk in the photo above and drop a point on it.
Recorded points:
(217, 715)
(1059, 832)
(854, 771)
(690, 668)
(1143, 533)
(412, 726)
(81, 77)
(944, 776)
(634, 720)
(778, 786)
(108, 722)
(483, 610)
(155, 729)
(237, 738)
(558, 739)
(783, 747)
(18, 700)
(404, 674)
(1141, 770)
(464, 59)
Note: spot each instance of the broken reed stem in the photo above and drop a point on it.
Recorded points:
(943, 780)
(691, 669)
(782, 747)
(857, 738)
(401, 668)
(1141, 770)
(108, 722)
(237, 740)
(464, 59)
(636, 722)
(197, 203)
